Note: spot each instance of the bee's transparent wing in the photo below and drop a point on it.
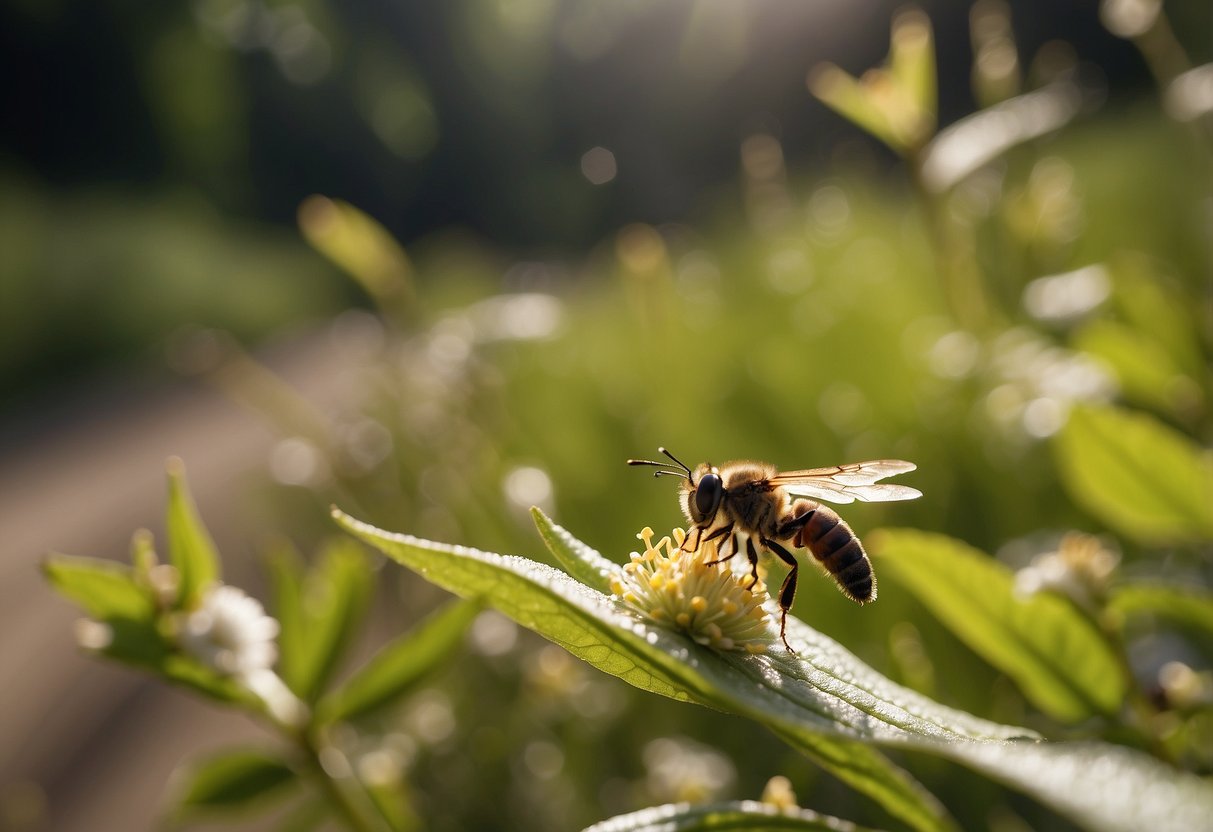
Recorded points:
(851, 482)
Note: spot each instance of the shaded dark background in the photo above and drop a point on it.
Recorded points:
(485, 110)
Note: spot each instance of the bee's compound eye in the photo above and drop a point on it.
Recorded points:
(708, 492)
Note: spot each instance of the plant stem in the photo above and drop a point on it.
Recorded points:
(350, 802)
(958, 269)
(1143, 711)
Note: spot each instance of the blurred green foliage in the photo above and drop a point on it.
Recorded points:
(807, 327)
(805, 318)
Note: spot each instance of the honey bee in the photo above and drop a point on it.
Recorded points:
(756, 506)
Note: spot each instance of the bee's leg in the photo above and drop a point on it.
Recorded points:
(752, 554)
(721, 532)
(698, 534)
(801, 514)
(787, 592)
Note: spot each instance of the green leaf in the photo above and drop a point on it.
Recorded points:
(108, 592)
(359, 245)
(1052, 651)
(400, 664)
(143, 553)
(1144, 371)
(1154, 306)
(1137, 475)
(825, 698)
(104, 589)
(749, 815)
(867, 770)
(286, 588)
(821, 697)
(848, 97)
(912, 65)
(188, 673)
(583, 562)
(1186, 606)
(232, 780)
(305, 817)
(334, 599)
(190, 547)
(392, 800)
(1103, 787)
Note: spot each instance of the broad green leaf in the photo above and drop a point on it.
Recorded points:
(583, 562)
(821, 694)
(1137, 475)
(1106, 788)
(1052, 651)
(104, 589)
(334, 600)
(1186, 606)
(867, 770)
(232, 780)
(1144, 371)
(1156, 307)
(400, 664)
(824, 699)
(749, 815)
(190, 547)
(286, 583)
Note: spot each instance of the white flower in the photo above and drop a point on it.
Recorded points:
(231, 633)
(778, 793)
(279, 701)
(1185, 688)
(1080, 567)
(680, 769)
(93, 635)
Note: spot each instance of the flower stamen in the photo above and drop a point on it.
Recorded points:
(676, 587)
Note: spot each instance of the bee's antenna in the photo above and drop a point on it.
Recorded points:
(679, 462)
(665, 467)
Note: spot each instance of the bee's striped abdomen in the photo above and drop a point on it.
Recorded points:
(837, 548)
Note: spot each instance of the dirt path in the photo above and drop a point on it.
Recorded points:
(101, 741)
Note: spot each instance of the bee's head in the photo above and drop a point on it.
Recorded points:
(702, 489)
(702, 492)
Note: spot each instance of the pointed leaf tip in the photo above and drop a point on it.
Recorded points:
(582, 562)
(190, 547)
(231, 780)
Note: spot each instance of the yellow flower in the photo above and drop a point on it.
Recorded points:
(677, 588)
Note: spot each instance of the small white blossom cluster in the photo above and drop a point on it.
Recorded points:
(1080, 568)
(1040, 382)
(677, 588)
(231, 633)
(680, 769)
(1185, 688)
(778, 793)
